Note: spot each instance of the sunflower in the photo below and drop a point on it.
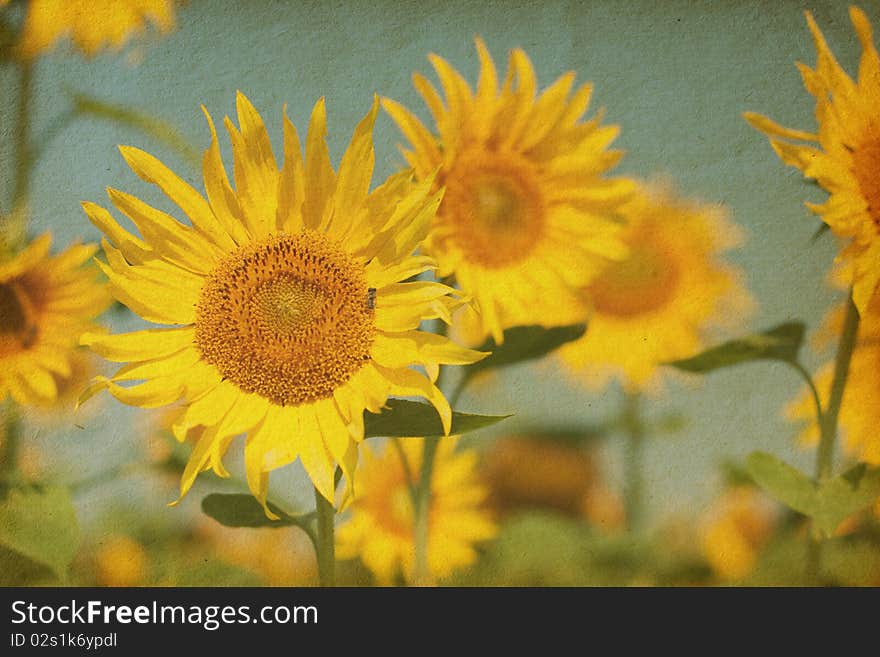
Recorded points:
(735, 529)
(83, 368)
(860, 409)
(46, 303)
(657, 304)
(381, 526)
(277, 557)
(844, 155)
(526, 472)
(284, 315)
(92, 24)
(121, 561)
(527, 218)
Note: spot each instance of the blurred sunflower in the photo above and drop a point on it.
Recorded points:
(121, 561)
(92, 24)
(288, 318)
(380, 529)
(657, 304)
(528, 472)
(844, 155)
(279, 557)
(527, 218)
(46, 303)
(735, 529)
(83, 368)
(860, 409)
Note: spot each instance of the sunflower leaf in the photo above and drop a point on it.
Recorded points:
(403, 418)
(522, 343)
(39, 523)
(784, 482)
(782, 342)
(239, 510)
(844, 495)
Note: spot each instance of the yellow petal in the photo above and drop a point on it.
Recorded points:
(194, 206)
(139, 345)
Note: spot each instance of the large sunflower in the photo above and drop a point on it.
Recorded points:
(527, 218)
(287, 315)
(380, 529)
(92, 24)
(46, 303)
(657, 304)
(844, 155)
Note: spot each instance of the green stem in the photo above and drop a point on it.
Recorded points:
(634, 461)
(828, 424)
(422, 574)
(407, 469)
(817, 401)
(11, 445)
(22, 154)
(422, 497)
(828, 427)
(326, 549)
(21, 185)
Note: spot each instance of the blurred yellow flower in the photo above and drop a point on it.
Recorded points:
(534, 472)
(284, 311)
(527, 218)
(46, 303)
(844, 156)
(380, 529)
(860, 409)
(279, 557)
(735, 529)
(92, 24)
(657, 304)
(530, 472)
(121, 561)
(83, 368)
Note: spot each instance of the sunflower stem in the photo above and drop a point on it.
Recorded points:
(422, 575)
(422, 496)
(11, 445)
(817, 401)
(15, 228)
(634, 459)
(325, 545)
(828, 425)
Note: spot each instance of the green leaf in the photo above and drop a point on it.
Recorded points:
(779, 343)
(239, 510)
(18, 570)
(85, 105)
(40, 524)
(735, 474)
(522, 343)
(787, 484)
(404, 418)
(828, 503)
(844, 495)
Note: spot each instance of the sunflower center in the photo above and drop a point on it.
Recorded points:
(494, 208)
(866, 167)
(288, 318)
(16, 330)
(642, 283)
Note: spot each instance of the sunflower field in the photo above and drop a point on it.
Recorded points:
(439, 294)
